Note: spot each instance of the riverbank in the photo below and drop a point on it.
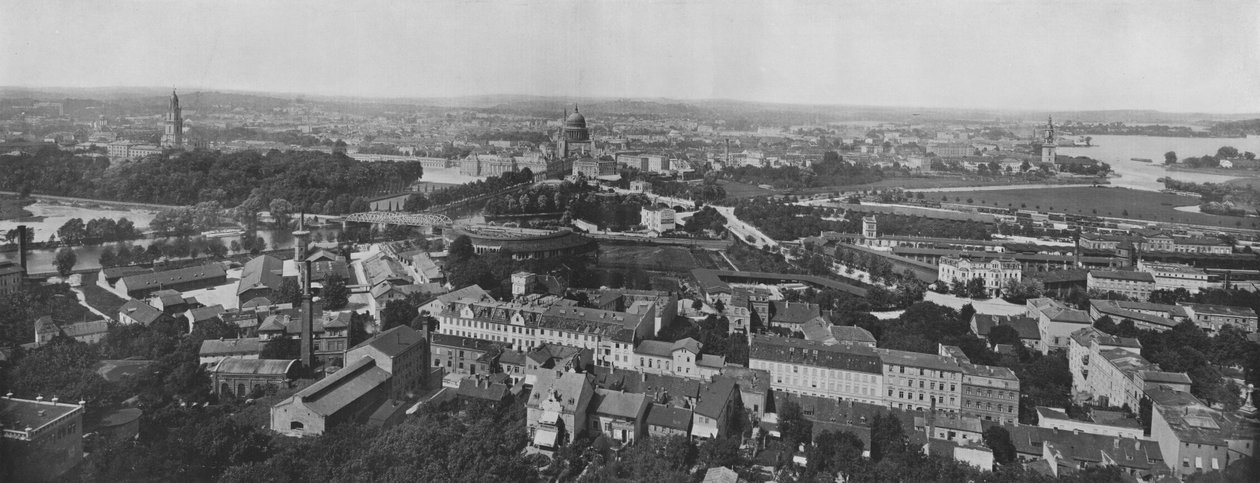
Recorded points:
(15, 209)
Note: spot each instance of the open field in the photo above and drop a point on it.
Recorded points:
(1097, 201)
(656, 258)
(742, 190)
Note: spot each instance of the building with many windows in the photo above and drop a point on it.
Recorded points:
(1138, 285)
(990, 393)
(797, 366)
(996, 273)
(1212, 318)
(918, 381)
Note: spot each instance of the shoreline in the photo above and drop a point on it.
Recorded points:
(13, 209)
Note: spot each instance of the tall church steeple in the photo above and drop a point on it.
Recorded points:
(173, 135)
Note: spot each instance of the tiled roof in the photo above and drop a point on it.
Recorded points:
(799, 351)
(1225, 310)
(851, 333)
(226, 347)
(143, 313)
(619, 404)
(342, 388)
(145, 281)
(669, 417)
(918, 359)
(714, 396)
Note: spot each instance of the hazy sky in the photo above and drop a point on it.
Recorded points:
(1167, 55)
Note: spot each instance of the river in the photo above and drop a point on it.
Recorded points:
(56, 214)
(1118, 151)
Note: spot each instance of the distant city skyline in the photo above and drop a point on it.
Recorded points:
(1168, 56)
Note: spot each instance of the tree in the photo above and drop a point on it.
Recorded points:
(65, 261)
(398, 312)
(335, 293)
(887, 437)
(833, 451)
(998, 439)
(461, 248)
(1004, 334)
(281, 212)
(1170, 157)
(1227, 152)
(288, 293)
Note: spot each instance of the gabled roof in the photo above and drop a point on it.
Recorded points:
(201, 314)
(619, 404)
(852, 333)
(714, 396)
(146, 281)
(143, 313)
(342, 388)
(669, 417)
(793, 312)
(228, 347)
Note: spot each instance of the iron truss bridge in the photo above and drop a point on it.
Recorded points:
(394, 218)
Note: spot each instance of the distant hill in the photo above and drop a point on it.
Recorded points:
(154, 99)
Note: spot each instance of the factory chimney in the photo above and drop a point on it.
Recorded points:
(301, 237)
(22, 248)
(308, 319)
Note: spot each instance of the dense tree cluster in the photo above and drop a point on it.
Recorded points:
(706, 218)
(574, 201)
(18, 311)
(186, 178)
(832, 170)
(100, 230)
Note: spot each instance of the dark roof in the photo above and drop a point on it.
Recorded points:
(342, 388)
(1123, 275)
(200, 314)
(619, 404)
(1226, 310)
(714, 396)
(776, 277)
(852, 333)
(482, 388)
(919, 359)
(229, 347)
(799, 351)
(669, 417)
(448, 340)
(1025, 326)
(793, 312)
(146, 281)
(143, 313)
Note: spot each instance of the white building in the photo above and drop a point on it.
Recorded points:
(1172, 276)
(996, 272)
(657, 220)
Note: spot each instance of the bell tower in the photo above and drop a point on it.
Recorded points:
(173, 136)
(1048, 143)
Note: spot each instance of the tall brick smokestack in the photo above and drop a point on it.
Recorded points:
(22, 248)
(308, 317)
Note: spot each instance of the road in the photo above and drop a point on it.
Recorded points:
(744, 231)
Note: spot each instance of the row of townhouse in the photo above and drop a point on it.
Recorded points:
(1160, 317)
(619, 339)
(892, 378)
(565, 405)
(1111, 371)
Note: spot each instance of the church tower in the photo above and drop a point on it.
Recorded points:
(1048, 143)
(173, 136)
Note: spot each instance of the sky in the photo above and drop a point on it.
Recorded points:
(1180, 56)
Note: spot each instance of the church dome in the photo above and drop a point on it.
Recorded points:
(575, 120)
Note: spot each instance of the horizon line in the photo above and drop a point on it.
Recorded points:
(387, 98)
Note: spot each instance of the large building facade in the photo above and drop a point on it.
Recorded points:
(995, 273)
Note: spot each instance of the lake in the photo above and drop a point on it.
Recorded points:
(1118, 151)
